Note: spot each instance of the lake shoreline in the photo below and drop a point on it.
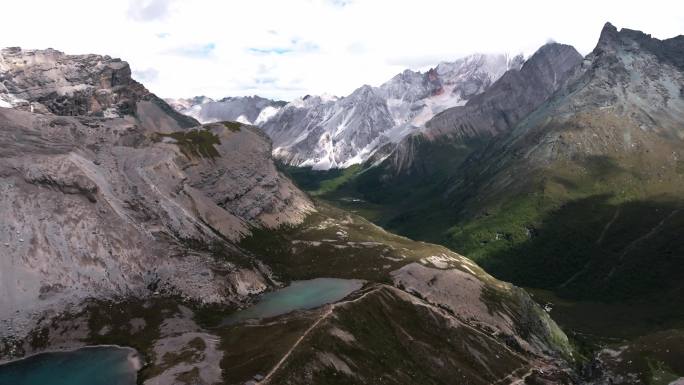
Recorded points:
(308, 294)
(134, 357)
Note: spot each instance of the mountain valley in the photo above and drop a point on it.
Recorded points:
(569, 185)
(128, 224)
(493, 220)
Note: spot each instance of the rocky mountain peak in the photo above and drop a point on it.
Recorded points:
(553, 50)
(670, 51)
(510, 98)
(200, 99)
(325, 132)
(519, 91)
(516, 61)
(362, 93)
(609, 36)
(51, 81)
(554, 61)
(628, 92)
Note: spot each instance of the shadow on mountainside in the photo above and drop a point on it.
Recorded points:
(591, 248)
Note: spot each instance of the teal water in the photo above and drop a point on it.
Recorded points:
(299, 295)
(111, 365)
(97, 365)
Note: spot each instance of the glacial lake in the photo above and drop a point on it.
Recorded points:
(112, 365)
(97, 365)
(299, 295)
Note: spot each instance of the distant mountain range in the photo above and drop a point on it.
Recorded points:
(326, 132)
(247, 109)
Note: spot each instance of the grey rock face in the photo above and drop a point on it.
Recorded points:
(89, 212)
(331, 134)
(669, 51)
(512, 97)
(114, 206)
(626, 95)
(325, 132)
(246, 109)
(49, 81)
(496, 110)
(460, 79)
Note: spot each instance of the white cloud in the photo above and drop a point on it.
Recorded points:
(285, 49)
(148, 75)
(149, 10)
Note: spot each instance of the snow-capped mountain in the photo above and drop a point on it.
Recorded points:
(244, 109)
(328, 132)
(493, 112)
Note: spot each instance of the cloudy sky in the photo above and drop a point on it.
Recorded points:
(288, 48)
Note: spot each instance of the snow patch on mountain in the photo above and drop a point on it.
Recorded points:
(267, 113)
(8, 100)
(244, 109)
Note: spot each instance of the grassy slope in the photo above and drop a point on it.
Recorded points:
(574, 217)
(194, 143)
(321, 182)
(602, 228)
(333, 243)
(390, 340)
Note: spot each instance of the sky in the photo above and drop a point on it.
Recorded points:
(284, 49)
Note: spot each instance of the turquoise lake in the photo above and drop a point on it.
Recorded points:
(98, 365)
(111, 365)
(299, 295)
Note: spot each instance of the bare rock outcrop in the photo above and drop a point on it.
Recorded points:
(49, 81)
(119, 199)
